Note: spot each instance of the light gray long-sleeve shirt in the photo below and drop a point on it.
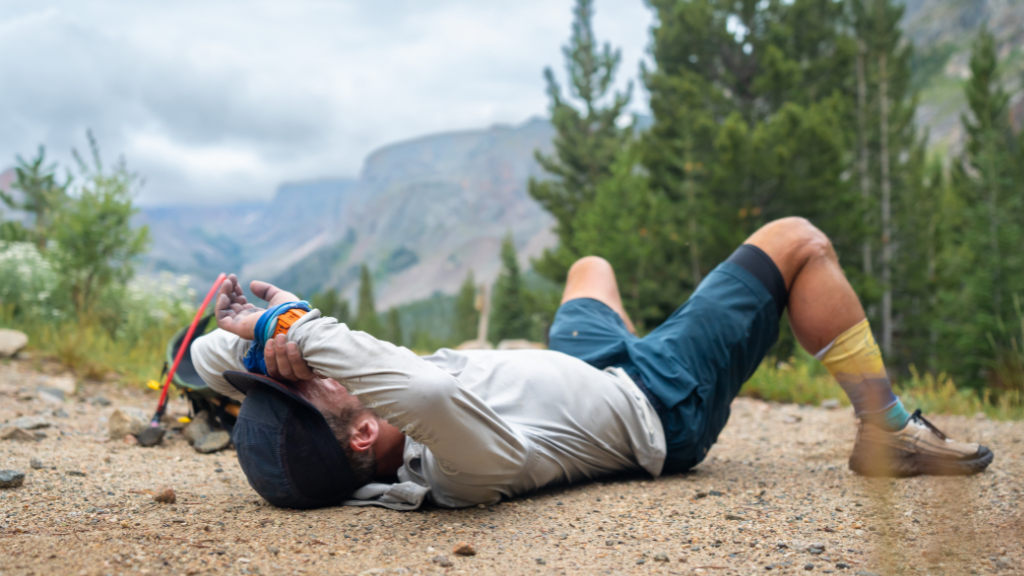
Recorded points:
(479, 424)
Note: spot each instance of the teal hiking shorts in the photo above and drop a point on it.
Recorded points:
(693, 365)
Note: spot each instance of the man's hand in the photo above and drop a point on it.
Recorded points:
(284, 360)
(236, 315)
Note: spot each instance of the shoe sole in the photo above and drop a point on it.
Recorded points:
(872, 461)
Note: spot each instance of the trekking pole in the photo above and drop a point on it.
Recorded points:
(161, 407)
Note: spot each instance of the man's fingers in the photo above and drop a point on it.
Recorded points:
(299, 365)
(271, 359)
(281, 358)
(272, 294)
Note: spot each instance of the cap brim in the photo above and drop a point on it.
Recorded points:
(244, 382)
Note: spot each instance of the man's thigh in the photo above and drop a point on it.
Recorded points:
(590, 330)
(696, 362)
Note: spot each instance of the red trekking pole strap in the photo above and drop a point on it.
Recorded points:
(162, 406)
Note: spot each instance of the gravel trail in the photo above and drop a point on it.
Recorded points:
(774, 496)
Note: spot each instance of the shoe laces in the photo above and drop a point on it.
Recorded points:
(916, 416)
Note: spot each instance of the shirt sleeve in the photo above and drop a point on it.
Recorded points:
(216, 353)
(420, 399)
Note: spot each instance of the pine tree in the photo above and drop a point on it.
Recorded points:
(587, 137)
(332, 305)
(395, 328)
(509, 317)
(367, 319)
(988, 177)
(43, 195)
(467, 317)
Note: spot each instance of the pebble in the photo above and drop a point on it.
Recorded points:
(11, 342)
(165, 495)
(734, 517)
(442, 561)
(50, 395)
(541, 561)
(464, 549)
(11, 478)
(31, 422)
(99, 401)
(198, 427)
(808, 566)
(661, 557)
(78, 473)
(1003, 562)
(36, 463)
(150, 436)
(830, 404)
(16, 434)
(127, 420)
(213, 442)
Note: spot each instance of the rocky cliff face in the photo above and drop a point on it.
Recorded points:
(942, 32)
(421, 214)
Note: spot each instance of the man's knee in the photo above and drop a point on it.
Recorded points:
(804, 237)
(591, 265)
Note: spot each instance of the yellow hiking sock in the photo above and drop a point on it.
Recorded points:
(855, 361)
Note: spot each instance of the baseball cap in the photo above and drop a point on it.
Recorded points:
(286, 448)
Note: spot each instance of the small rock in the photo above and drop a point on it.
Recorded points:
(541, 561)
(816, 548)
(442, 561)
(77, 473)
(198, 427)
(808, 566)
(11, 478)
(99, 401)
(464, 549)
(66, 383)
(11, 342)
(16, 434)
(39, 434)
(842, 565)
(26, 395)
(31, 422)
(150, 436)
(50, 395)
(36, 463)
(864, 573)
(609, 542)
(701, 494)
(734, 517)
(1003, 562)
(830, 404)
(661, 557)
(127, 420)
(714, 493)
(165, 495)
(792, 419)
(131, 440)
(213, 442)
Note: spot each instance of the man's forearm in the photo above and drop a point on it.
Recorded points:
(216, 353)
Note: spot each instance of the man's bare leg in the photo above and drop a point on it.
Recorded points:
(828, 320)
(822, 304)
(593, 277)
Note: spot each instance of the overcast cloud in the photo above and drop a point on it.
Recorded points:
(222, 101)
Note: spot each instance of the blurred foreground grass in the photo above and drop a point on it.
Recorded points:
(803, 380)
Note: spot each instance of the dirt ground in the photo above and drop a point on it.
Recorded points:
(773, 495)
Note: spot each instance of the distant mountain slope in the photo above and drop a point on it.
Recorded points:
(942, 32)
(421, 215)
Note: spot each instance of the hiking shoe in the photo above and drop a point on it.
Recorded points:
(918, 448)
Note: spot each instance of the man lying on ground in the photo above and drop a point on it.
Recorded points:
(362, 421)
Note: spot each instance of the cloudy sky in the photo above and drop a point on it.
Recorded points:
(222, 101)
